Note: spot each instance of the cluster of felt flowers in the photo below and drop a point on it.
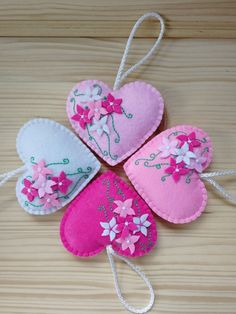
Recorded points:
(96, 109)
(125, 226)
(185, 154)
(44, 186)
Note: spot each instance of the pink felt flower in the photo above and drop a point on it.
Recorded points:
(168, 147)
(29, 191)
(176, 169)
(96, 110)
(44, 186)
(81, 116)
(184, 154)
(190, 139)
(40, 169)
(197, 164)
(62, 183)
(128, 242)
(124, 208)
(125, 225)
(49, 201)
(112, 105)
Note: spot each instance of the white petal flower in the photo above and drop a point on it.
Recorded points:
(110, 229)
(168, 147)
(90, 94)
(100, 126)
(142, 224)
(184, 154)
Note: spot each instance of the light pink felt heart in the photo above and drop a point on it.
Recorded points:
(166, 171)
(114, 123)
(108, 212)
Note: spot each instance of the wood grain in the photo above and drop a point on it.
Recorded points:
(193, 267)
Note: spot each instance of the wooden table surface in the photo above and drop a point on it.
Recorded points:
(46, 46)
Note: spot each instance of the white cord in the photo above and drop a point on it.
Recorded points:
(111, 253)
(208, 177)
(8, 175)
(120, 75)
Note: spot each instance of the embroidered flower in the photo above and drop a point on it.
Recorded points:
(112, 105)
(110, 228)
(49, 201)
(124, 208)
(90, 94)
(40, 169)
(197, 164)
(176, 169)
(128, 242)
(96, 110)
(190, 139)
(29, 191)
(168, 147)
(184, 154)
(81, 116)
(62, 183)
(100, 126)
(44, 186)
(124, 225)
(142, 224)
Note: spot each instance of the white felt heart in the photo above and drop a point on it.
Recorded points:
(114, 123)
(58, 166)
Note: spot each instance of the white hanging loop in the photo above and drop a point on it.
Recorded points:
(132, 309)
(120, 75)
(219, 188)
(8, 175)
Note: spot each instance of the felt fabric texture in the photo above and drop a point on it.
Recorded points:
(166, 170)
(131, 115)
(58, 166)
(93, 220)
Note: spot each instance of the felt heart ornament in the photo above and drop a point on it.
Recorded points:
(57, 166)
(110, 215)
(108, 212)
(167, 173)
(114, 123)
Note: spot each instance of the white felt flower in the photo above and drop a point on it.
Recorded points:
(142, 224)
(100, 126)
(91, 94)
(184, 154)
(110, 228)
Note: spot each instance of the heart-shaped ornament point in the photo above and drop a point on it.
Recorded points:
(108, 212)
(114, 123)
(58, 166)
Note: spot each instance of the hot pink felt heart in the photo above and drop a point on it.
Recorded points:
(114, 123)
(166, 172)
(108, 212)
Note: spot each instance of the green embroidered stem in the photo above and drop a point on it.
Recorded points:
(67, 195)
(163, 178)
(32, 158)
(80, 171)
(157, 166)
(151, 158)
(203, 140)
(31, 204)
(91, 138)
(117, 139)
(65, 161)
(109, 147)
(138, 207)
(175, 133)
(76, 93)
(118, 190)
(188, 180)
(100, 88)
(103, 208)
(129, 115)
(109, 198)
(73, 101)
(205, 150)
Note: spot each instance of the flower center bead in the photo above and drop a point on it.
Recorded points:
(123, 207)
(60, 183)
(189, 141)
(82, 116)
(29, 190)
(177, 170)
(48, 200)
(128, 241)
(126, 223)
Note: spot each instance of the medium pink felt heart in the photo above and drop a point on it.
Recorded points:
(108, 212)
(114, 123)
(166, 171)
